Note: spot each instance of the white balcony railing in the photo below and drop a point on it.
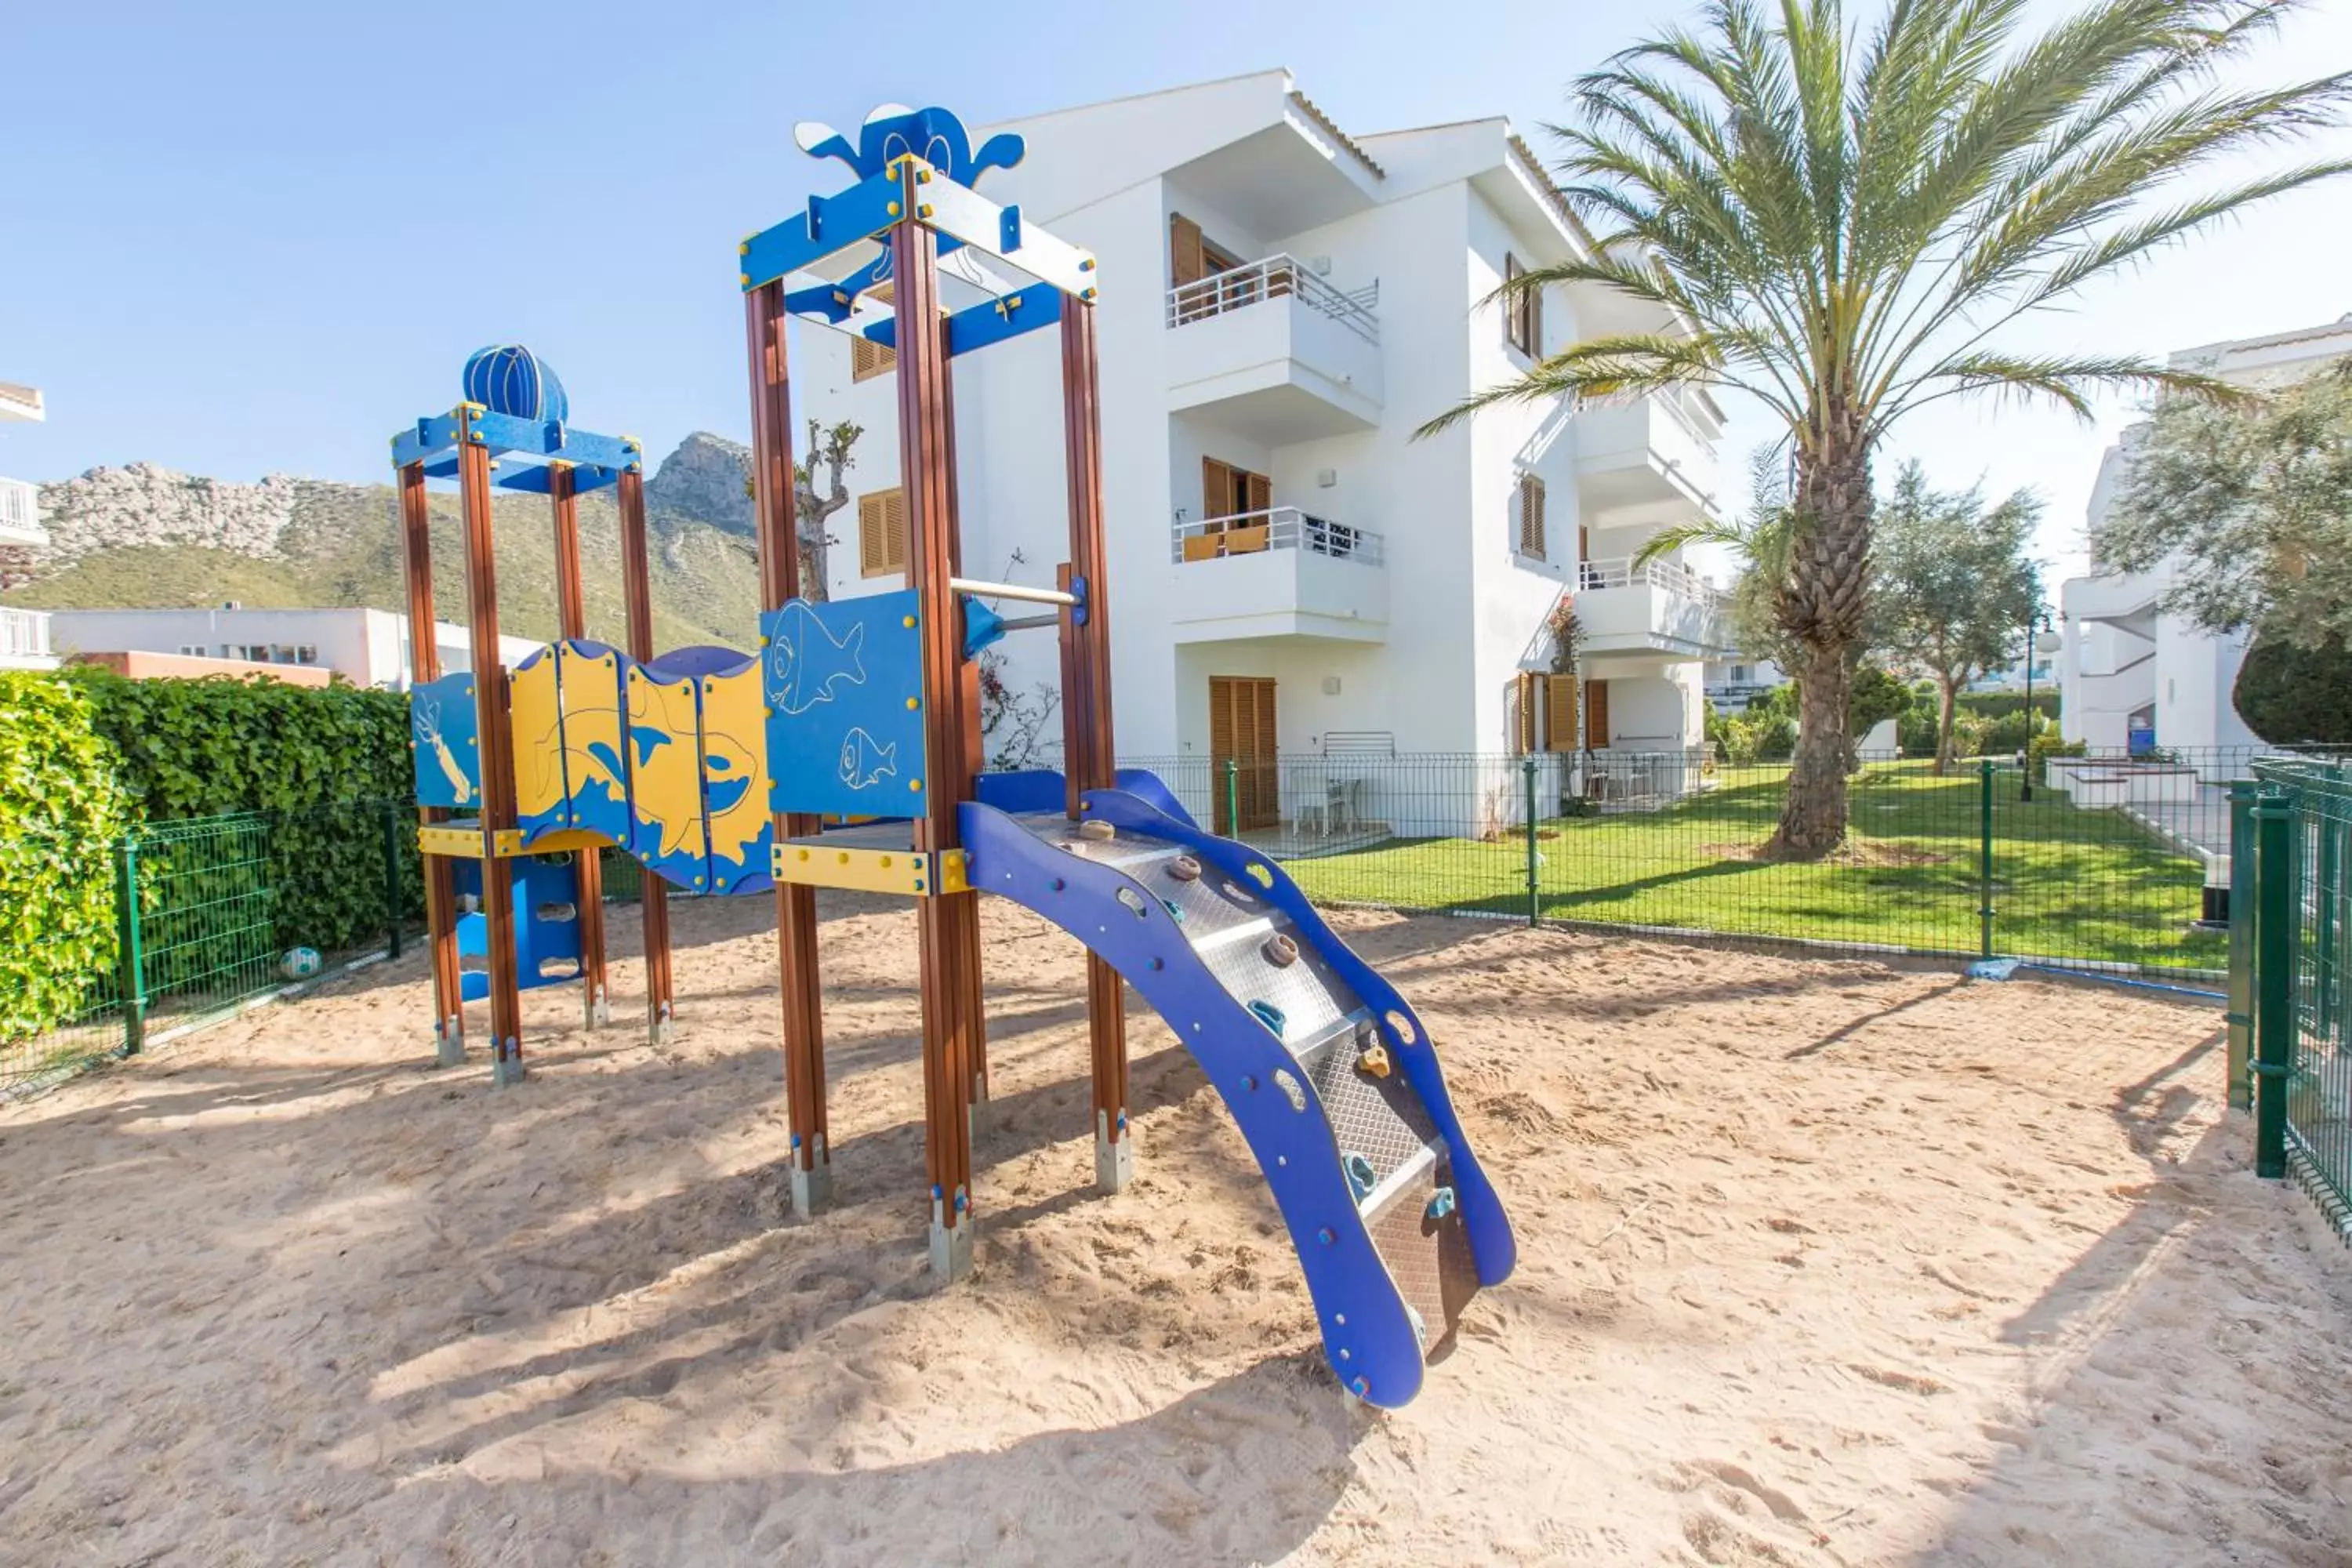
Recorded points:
(1276, 277)
(1671, 576)
(1277, 528)
(20, 507)
(24, 634)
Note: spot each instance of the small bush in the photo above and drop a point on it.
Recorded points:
(61, 811)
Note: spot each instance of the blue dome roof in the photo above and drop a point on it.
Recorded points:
(508, 378)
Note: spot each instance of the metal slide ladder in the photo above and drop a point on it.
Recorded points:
(1395, 1224)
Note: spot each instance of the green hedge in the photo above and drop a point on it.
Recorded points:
(62, 808)
(86, 755)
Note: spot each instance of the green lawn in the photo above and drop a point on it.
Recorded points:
(2066, 883)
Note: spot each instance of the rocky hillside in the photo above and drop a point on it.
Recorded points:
(145, 536)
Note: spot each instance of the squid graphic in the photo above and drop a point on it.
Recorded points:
(427, 724)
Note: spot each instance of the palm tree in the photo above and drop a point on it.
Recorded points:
(1839, 226)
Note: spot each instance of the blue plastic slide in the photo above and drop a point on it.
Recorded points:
(1332, 1079)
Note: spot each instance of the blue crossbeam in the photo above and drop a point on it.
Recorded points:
(990, 322)
(830, 226)
(596, 460)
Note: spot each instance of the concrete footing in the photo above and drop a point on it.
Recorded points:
(950, 1244)
(1114, 1162)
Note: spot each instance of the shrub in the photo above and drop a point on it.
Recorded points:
(61, 811)
(2289, 694)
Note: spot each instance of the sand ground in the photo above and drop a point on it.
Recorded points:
(1822, 1262)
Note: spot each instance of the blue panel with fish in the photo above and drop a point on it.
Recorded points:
(843, 688)
(449, 755)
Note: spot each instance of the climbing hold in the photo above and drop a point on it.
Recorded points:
(1270, 1015)
(1441, 1202)
(1096, 831)
(1184, 868)
(1326, 1237)
(1374, 1060)
(1362, 1386)
(1175, 910)
(1280, 950)
(1057, 884)
(1361, 1178)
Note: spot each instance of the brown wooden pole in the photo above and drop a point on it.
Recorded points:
(496, 752)
(425, 664)
(636, 593)
(778, 521)
(968, 673)
(1089, 754)
(571, 618)
(947, 924)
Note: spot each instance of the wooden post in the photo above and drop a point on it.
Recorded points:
(968, 672)
(571, 618)
(636, 591)
(947, 923)
(425, 664)
(1089, 751)
(496, 753)
(779, 571)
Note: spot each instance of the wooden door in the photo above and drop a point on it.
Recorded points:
(1258, 492)
(1216, 490)
(1242, 731)
(1596, 715)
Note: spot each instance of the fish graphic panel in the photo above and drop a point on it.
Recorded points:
(667, 826)
(588, 676)
(543, 803)
(843, 688)
(735, 779)
(448, 756)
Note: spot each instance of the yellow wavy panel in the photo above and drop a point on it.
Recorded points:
(538, 731)
(735, 770)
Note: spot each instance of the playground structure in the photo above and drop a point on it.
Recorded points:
(720, 770)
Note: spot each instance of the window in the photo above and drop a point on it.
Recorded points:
(1192, 257)
(1531, 517)
(882, 533)
(1522, 312)
(1233, 507)
(306, 654)
(194, 650)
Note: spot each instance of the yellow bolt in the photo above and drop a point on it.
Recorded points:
(886, 862)
(767, 712)
(922, 177)
(914, 784)
(747, 279)
(845, 856)
(893, 174)
(924, 210)
(803, 854)
(744, 249)
(892, 209)
(913, 703)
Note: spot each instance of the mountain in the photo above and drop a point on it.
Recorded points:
(143, 536)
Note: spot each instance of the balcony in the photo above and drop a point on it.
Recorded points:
(1272, 351)
(1645, 450)
(1661, 607)
(1275, 574)
(20, 514)
(25, 640)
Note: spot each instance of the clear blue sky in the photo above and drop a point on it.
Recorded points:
(247, 237)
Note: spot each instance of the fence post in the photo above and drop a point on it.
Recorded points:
(2275, 934)
(1984, 856)
(1234, 797)
(1534, 896)
(2322, 940)
(132, 962)
(389, 811)
(2238, 1016)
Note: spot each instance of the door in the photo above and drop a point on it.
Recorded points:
(1596, 715)
(1242, 732)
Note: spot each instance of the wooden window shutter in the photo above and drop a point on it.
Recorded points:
(1259, 492)
(1216, 489)
(1523, 725)
(1531, 517)
(1187, 262)
(868, 359)
(1596, 713)
(882, 533)
(1559, 713)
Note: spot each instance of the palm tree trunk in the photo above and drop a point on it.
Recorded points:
(1820, 607)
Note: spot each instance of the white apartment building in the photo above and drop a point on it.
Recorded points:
(1283, 304)
(365, 646)
(2135, 677)
(24, 634)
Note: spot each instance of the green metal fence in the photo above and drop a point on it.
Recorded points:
(206, 911)
(2290, 1025)
(2101, 863)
